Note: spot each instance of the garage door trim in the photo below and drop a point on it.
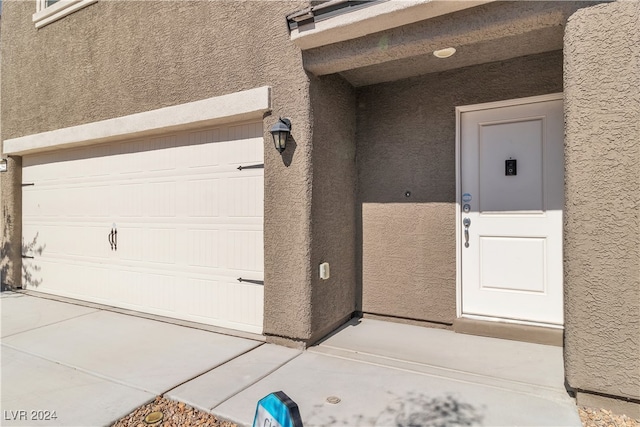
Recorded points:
(244, 105)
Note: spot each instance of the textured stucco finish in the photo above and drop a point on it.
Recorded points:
(113, 59)
(10, 214)
(602, 231)
(333, 217)
(406, 142)
(11, 224)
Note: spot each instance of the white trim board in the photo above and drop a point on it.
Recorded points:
(46, 15)
(238, 106)
(373, 19)
(459, 111)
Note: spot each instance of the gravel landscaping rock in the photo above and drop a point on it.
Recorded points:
(175, 414)
(593, 417)
(178, 414)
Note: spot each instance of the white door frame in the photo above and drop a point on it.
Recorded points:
(459, 111)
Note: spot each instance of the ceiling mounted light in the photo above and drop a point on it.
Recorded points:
(444, 53)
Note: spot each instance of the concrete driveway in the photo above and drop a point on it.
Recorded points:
(92, 366)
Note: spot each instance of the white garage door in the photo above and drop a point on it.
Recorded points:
(164, 225)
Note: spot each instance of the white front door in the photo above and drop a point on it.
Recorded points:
(512, 196)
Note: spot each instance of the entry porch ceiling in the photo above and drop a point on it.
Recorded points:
(490, 32)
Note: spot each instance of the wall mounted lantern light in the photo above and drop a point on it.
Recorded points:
(3, 165)
(280, 132)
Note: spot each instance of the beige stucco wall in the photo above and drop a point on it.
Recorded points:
(406, 142)
(10, 195)
(11, 224)
(117, 58)
(602, 231)
(333, 218)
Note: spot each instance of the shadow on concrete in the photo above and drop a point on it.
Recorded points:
(412, 410)
(418, 409)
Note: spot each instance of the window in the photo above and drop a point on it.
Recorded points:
(48, 11)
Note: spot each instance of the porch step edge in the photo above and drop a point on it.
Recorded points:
(550, 393)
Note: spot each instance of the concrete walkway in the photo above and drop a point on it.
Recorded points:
(92, 366)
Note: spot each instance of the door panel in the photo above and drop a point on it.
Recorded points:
(511, 252)
(497, 144)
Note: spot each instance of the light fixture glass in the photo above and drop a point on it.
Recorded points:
(444, 53)
(280, 132)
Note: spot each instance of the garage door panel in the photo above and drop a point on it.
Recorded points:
(202, 155)
(82, 201)
(203, 198)
(203, 250)
(53, 241)
(160, 199)
(159, 292)
(162, 156)
(222, 299)
(95, 200)
(87, 241)
(159, 245)
(189, 224)
(30, 204)
(47, 275)
(239, 206)
(245, 151)
(128, 198)
(42, 202)
(130, 243)
(246, 131)
(98, 166)
(125, 287)
(206, 299)
(242, 252)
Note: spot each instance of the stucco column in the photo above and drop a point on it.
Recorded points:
(11, 224)
(333, 203)
(602, 231)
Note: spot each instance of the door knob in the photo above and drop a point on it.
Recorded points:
(466, 222)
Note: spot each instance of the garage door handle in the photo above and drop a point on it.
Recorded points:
(113, 239)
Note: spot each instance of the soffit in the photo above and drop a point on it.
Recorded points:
(486, 33)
